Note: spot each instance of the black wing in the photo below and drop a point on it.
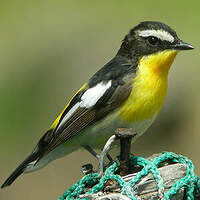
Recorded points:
(120, 73)
(83, 117)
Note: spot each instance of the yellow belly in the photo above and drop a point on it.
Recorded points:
(149, 88)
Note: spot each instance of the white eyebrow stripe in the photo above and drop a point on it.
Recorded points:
(161, 34)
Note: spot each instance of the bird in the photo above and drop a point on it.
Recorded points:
(127, 92)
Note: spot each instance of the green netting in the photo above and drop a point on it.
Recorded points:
(190, 182)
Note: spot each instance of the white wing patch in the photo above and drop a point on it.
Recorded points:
(92, 95)
(89, 99)
(160, 34)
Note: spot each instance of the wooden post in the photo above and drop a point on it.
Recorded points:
(125, 135)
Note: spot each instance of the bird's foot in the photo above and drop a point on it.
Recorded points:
(96, 155)
(104, 153)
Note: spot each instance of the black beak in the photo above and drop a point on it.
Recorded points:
(182, 46)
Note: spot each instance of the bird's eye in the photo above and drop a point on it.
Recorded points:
(153, 40)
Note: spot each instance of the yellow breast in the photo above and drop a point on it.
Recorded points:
(149, 87)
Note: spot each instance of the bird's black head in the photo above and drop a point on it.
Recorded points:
(150, 37)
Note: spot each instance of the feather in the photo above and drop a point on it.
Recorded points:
(20, 169)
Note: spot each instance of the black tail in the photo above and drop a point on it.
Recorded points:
(20, 169)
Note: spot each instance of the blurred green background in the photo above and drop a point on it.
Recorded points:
(49, 48)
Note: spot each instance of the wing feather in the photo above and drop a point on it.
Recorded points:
(78, 122)
(82, 117)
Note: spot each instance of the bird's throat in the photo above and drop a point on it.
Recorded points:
(158, 63)
(149, 88)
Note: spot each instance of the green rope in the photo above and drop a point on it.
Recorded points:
(190, 182)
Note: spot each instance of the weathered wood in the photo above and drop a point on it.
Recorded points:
(146, 189)
(113, 196)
